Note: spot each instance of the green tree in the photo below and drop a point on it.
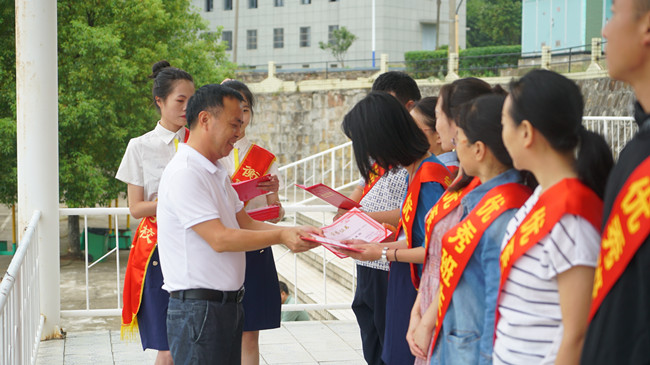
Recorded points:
(493, 22)
(338, 46)
(105, 52)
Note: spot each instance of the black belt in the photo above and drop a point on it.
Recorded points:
(210, 295)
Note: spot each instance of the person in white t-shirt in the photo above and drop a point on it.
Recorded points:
(145, 302)
(204, 232)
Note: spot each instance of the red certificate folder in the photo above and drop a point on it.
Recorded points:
(331, 196)
(265, 213)
(247, 190)
(354, 224)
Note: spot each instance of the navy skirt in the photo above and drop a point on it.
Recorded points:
(399, 302)
(152, 315)
(262, 298)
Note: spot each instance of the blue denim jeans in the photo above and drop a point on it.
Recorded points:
(204, 332)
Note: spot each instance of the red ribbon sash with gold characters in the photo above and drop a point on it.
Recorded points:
(568, 196)
(255, 164)
(459, 243)
(627, 228)
(144, 242)
(375, 175)
(428, 172)
(447, 203)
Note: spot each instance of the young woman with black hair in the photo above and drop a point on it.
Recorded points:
(552, 244)
(458, 327)
(145, 302)
(424, 115)
(381, 130)
(262, 300)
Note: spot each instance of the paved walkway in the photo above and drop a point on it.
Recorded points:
(313, 342)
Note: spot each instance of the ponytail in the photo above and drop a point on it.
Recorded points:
(594, 161)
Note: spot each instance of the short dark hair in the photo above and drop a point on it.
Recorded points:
(427, 108)
(210, 98)
(459, 92)
(243, 89)
(382, 130)
(553, 105)
(164, 77)
(283, 287)
(403, 85)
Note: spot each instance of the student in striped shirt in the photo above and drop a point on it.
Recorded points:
(551, 246)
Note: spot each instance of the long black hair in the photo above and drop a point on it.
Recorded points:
(461, 91)
(553, 105)
(244, 90)
(427, 108)
(382, 130)
(164, 77)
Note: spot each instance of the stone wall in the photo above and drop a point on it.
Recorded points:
(295, 125)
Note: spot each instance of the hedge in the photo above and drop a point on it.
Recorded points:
(477, 61)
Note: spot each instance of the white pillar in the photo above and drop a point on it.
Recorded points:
(596, 52)
(546, 57)
(37, 143)
(383, 63)
(452, 67)
(271, 71)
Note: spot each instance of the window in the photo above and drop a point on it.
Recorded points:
(227, 4)
(278, 38)
(305, 2)
(279, 3)
(305, 36)
(252, 4)
(251, 39)
(226, 36)
(330, 33)
(209, 5)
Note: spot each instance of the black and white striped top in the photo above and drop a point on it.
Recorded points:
(530, 327)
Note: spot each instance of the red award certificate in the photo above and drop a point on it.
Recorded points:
(354, 224)
(247, 190)
(331, 196)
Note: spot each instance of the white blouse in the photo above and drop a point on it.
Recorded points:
(146, 157)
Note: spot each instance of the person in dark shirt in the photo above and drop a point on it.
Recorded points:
(619, 332)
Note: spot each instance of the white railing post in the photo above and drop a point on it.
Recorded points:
(37, 143)
(546, 57)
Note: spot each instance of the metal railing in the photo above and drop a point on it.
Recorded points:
(20, 314)
(116, 213)
(617, 131)
(334, 167)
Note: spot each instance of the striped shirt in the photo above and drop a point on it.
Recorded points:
(530, 327)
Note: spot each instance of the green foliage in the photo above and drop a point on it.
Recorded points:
(479, 61)
(424, 64)
(342, 39)
(493, 22)
(105, 51)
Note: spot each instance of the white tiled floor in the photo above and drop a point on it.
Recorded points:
(313, 342)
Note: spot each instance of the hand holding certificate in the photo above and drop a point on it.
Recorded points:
(247, 190)
(354, 225)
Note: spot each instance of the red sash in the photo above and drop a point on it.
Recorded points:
(428, 172)
(255, 164)
(459, 243)
(144, 242)
(447, 203)
(627, 228)
(376, 173)
(568, 196)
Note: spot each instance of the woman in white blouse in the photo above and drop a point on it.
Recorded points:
(145, 302)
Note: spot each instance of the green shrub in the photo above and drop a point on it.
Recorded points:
(477, 61)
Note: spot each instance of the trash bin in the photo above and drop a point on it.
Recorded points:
(125, 238)
(97, 242)
(7, 248)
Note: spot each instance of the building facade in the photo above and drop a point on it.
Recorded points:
(561, 24)
(289, 31)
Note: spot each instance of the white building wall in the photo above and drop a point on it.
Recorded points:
(398, 28)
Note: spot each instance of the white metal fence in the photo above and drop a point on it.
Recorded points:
(616, 130)
(20, 315)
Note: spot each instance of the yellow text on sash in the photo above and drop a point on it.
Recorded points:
(464, 236)
(532, 225)
(635, 203)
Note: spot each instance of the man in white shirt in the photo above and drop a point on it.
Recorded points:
(203, 232)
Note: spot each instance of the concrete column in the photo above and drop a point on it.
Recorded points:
(452, 67)
(37, 144)
(596, 52)
(546, 57)
(271, 72)
(383, 63)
